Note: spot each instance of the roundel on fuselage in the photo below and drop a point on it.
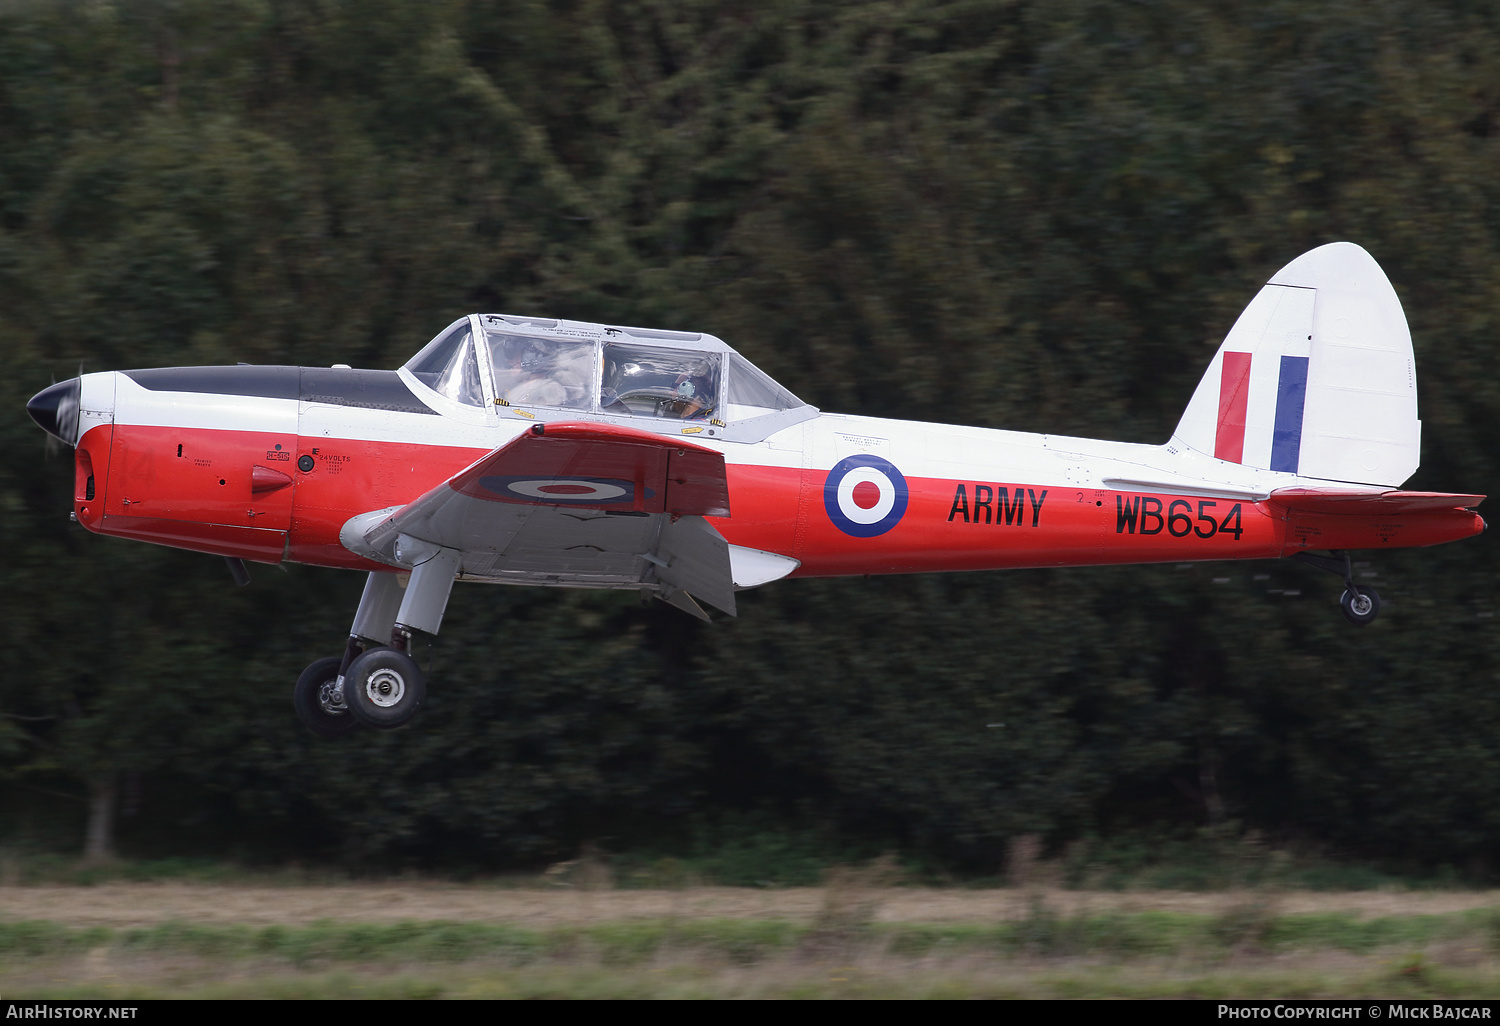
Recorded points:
(865, 496)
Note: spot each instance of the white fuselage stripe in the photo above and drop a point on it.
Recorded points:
(918, 449)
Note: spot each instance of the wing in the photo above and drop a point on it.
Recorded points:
(574, 504)
(1369, 501)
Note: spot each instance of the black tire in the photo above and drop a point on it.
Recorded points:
(384, 688)
(312, 700)
(1362, 609)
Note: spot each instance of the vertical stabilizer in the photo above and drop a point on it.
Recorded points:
(1316, 378)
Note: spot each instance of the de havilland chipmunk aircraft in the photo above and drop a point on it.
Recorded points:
(527, 450)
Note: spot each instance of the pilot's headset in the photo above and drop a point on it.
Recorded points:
(687, 388)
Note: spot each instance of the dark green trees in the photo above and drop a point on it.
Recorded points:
(1041, 216)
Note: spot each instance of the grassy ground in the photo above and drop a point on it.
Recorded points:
(847, 939)
(849, 978)
(1210, 916)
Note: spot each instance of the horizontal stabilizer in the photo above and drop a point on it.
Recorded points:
(1330, 500)
(1171, 484)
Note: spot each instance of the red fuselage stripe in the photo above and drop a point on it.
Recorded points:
(156, 495)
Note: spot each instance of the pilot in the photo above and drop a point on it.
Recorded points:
(693, 392)
(573, 369)
(530, 380)
(505, 367)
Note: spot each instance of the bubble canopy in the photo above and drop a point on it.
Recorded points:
(543, 369)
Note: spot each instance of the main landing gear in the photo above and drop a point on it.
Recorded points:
(320, 700)
(384, 688)
(373, 684)
(1360, 603)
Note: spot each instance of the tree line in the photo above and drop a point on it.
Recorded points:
(1041, 216)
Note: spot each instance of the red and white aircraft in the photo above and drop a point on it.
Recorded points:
(525, 450)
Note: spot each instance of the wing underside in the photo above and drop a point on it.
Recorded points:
(573, 505)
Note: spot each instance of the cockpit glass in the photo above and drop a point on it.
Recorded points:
(649, 382)
(447, 366)
(751, 393)
(530, 371)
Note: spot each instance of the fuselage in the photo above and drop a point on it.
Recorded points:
(270, 464)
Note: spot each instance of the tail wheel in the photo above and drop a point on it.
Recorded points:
(384, 688)
(318, 703)
(1361, 606)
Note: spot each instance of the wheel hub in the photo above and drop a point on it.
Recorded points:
(1361, 604)
(385, 687)
(331, 698)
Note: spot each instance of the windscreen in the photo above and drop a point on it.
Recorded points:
(447, 365)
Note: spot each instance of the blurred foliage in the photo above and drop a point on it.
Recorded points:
(1030, 215)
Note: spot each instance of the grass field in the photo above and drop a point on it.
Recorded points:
(435, 940)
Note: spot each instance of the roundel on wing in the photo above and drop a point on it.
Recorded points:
(562, 490)
(865, 496)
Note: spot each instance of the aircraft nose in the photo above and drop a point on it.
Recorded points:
(55, 409)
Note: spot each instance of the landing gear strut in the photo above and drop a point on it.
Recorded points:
(1360, 604)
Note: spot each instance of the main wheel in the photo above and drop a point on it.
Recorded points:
(384, 688)
(1361, 607)
(316, 700)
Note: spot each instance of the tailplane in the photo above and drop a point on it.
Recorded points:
(1316, 378)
